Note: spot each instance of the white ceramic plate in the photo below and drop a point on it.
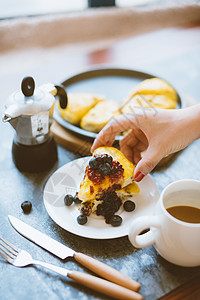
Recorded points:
(67, 179)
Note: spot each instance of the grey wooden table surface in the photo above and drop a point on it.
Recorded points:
(157, 276)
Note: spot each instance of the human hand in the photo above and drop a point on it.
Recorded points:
(158, 132)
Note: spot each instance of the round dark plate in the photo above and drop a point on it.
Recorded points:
(113, 83)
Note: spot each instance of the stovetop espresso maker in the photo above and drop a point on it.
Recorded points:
(30, 112)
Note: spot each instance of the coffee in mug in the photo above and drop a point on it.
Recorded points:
(185, 212)
(175, 227)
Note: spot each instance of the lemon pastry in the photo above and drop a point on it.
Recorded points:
(78, 106)
(99, 115)
(108, 172)
(154, 92)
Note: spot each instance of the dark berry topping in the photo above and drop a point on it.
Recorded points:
(82, 219)
(129, 205)
(117, 171)
(26, 207)
(102, 165)
(107, 158)
(94, 176)
(91, 189)
(117, 186)
(100, 159)
(93, 163)
(85, 210)
(110, 205)
(77, 200)
(100, 210)
(105, 169)
(68, 200)
(116, 220)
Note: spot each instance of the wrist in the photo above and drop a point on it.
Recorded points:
(192, 121)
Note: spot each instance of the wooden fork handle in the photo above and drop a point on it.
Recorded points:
(103, 286)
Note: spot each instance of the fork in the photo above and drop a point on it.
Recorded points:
(21, 258)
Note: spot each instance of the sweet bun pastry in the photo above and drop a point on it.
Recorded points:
(108, 172)
(161, 101)
(118, 156)
(155, 86)
(154, 92)
(99, 115)
(78, 106)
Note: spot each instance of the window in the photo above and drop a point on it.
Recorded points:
(23, 8)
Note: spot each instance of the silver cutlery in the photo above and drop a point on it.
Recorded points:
(63, 252)
(21, 258)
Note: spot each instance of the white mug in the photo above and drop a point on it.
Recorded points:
(176, 241)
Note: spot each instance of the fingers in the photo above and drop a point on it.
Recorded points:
(132, 146)
(136, 156)
(127, 144)
(107, 135)
(129, 139)
(133, 143)
(148, 162)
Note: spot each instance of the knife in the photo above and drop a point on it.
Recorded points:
(62, 251)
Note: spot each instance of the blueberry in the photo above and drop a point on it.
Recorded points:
(129, 205)
(26, 207)
(116, 220)
(93, 163)
(82, 219)
(77, 200)
(68, 200)
(105, 169)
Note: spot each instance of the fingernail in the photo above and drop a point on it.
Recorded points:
(138, 176)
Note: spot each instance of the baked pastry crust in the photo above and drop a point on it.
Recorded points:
(78, 105)
(90, 191)
(154, 92)
(99, 115)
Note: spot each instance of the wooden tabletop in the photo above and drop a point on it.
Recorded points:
(171, 53)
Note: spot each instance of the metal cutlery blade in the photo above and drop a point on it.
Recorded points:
(41, 239)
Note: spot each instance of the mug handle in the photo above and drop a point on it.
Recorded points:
(140, 224)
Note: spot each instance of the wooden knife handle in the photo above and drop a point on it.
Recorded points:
(106, 271)
(103, 286)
